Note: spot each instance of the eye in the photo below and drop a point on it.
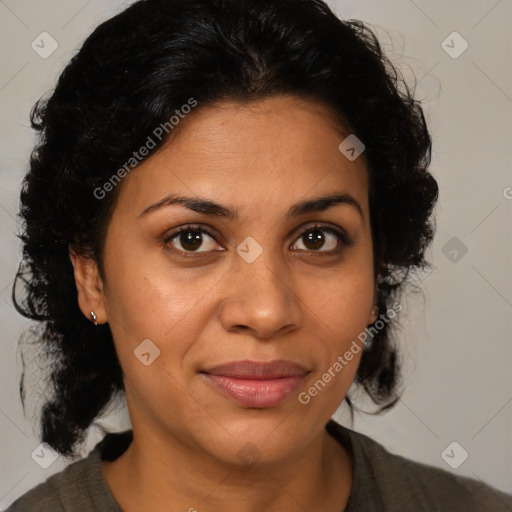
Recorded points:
(318, 237)
(191, 238)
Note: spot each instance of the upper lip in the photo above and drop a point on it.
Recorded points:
(258, 370)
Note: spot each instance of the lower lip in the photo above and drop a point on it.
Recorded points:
(256, 393)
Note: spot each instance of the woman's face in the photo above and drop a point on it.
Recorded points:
(260, 285)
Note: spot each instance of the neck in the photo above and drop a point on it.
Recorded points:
(155, 475)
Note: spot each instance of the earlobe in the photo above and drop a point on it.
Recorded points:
(375, 310)
(373, 314)
(89, 287)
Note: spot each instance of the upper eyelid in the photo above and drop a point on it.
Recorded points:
(321, 225)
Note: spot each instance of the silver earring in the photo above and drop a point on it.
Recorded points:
(94, 317)
(375, 312)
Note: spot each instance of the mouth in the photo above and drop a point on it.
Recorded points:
(256, 384)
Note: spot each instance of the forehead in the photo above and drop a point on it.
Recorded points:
(268, 152)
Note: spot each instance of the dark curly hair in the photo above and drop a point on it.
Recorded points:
(130, 76)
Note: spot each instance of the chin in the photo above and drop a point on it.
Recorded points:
(250, 440)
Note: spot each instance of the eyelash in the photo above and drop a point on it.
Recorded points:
(342, 236)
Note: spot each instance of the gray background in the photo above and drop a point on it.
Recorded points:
(456, 342)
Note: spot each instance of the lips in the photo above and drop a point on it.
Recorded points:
(258, 370)
(256, 383)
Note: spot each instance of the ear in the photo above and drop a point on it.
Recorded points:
(89, 287)
(374, 313)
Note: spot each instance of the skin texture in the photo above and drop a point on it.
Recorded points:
(293, 302)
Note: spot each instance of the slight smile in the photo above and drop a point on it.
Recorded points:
(257, 384)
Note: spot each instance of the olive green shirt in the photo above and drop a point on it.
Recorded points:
(382, 482)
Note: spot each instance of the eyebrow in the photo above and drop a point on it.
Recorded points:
(208, 207)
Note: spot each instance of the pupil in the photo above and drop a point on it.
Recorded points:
(315, 238)
(191, 241)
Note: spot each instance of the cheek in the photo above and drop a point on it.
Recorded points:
(341, 302)
(147, 299)
(157, 317)
(338, 309)
(336, 348)
(148, 294)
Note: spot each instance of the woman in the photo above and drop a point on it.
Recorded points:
(222, 211)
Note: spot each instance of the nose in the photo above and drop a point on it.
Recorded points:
(261, 298)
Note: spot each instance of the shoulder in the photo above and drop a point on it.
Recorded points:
(79, 486)
(398, 483)
(48, 496)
